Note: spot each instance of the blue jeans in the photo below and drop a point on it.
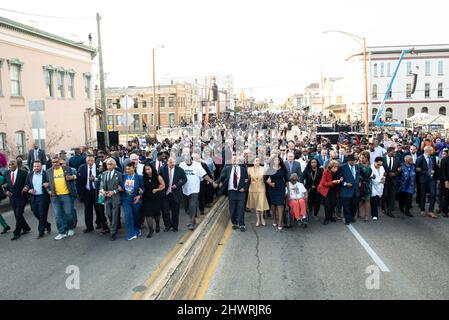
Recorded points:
(62, 207)
(132, 218)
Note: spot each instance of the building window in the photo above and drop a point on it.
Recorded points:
(382, 69)
(427, 90)
(161, 102)
(440, 90)
(110, 120)
(15, 77)
(389, 114)
(427, 68)
(424, 110)
(117, 103)
(2, 141)
(374, 112)
(410, 112)
(409, 90)
(442, 111)
(440, 68)
(71, 86)
(87, 90)
(171, 102)
(136, 122)
(49, 83)
(136, 103)
(152, 119)
(375, 70)
(118, 120)
(171, 119)
(151, 102)
(144, 103)
(109, 103)
(60, 82)
(20, 141)
(409, 68)
(389, 69)
(374, 91)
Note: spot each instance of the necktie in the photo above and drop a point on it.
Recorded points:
(391, 164)
(35, 154)
(12, 179)
(91, 185)
(235, 178)
(353, 172)
(430, 165)
(170, 181)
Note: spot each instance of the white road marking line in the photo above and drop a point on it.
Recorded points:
(368, 249)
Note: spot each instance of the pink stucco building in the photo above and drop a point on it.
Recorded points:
(46, 92)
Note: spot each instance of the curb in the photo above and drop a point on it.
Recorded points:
(181, 278)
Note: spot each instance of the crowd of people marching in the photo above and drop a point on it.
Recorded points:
(287, 182)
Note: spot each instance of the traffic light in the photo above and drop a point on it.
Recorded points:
(117, 103)
(414, 82)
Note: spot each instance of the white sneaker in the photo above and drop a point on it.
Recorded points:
(374, 218)
(132, 238)
(60, 237)
(71, 233)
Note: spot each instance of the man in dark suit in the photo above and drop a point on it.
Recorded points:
(87, 191)
(414, 153)
(444, 180)
(350, 191)
(36, 154)
(392, 168)
(77, 160)
(15, 183)
(39, 197)
(159, 163)
(174, 178)
(233, 182)
(427, 171)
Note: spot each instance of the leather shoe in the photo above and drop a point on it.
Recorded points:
(26, 231)
(41, 235)
(174, 230)
(5, 231)
(158, 229)
(167, 229)
(16, 237)
(347, 223)
(113, 237)
(88, 230)
(48, 228)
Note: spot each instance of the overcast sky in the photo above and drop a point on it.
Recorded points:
(272, 47)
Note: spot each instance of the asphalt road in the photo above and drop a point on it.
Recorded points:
(329, 262)
(36, 269)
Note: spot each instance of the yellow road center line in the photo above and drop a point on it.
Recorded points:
(204, 285)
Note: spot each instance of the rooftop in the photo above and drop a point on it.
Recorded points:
(10, 24)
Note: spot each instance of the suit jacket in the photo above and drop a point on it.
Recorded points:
(296, 168)
(29, 184)
(418, 154)
(226, 174)
(70, 185)
(444, 170)
(179, 179)
(19, 184)
(423, 174)
(396, 165)
(41, 157)
(321, 160)
(112, 185)
(163, 164)
(82, 177)
(348, 177)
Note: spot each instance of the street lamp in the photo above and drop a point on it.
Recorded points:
(154, 89)
(362, 42)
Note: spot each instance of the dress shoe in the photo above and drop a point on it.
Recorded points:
(40, 235)
(48, 228)
(105, 231)
(27, 230)
(113, 237)
(88, 230)
(158, 229)
(175, 229)
(150, 234)
(5, 230)
(347, 223)
(242, 228)
(167, 229)
(15, 237)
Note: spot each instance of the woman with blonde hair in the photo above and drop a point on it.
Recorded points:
(257, 198)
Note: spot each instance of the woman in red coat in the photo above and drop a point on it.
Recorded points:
(328, 188)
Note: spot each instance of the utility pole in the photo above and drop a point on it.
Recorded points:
(366, 88)
(102, 89)
(155, 104)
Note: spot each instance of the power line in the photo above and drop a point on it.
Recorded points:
(45, 16)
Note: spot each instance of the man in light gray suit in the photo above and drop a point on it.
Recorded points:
(292, 165)
(111, 182)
